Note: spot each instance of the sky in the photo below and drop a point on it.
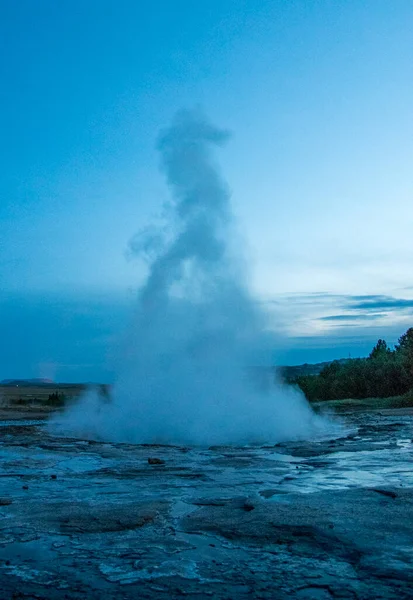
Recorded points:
(317, 96)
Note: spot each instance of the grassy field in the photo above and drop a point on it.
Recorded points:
(50, 396)
(38, 395)
(366, 404)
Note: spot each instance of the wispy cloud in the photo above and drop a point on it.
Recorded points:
(324, 314)
(351, 317)
(387, 303)
(370, 308)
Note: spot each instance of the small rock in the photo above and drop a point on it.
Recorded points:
(53, 476)
(25, 487)
(5, 501)
(156, 461)
(387, 493)
(268, 493)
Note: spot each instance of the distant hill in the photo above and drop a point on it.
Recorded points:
(290, 374)
(27, 382)
(287, 373)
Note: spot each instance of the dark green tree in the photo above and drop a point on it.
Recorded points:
(405, 343)
(404, 354)
(380, 351)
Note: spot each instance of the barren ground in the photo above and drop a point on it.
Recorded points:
(326, 519)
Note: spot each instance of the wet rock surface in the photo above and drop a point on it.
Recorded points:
(322, 520)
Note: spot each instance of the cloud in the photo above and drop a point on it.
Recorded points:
(351, 317)
(387, 303)
(368, 308)
(327, 316)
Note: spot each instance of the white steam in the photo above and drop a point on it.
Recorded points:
(186, 378)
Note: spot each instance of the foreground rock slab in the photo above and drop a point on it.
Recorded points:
(328, 519)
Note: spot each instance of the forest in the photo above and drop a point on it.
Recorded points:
(384, 373)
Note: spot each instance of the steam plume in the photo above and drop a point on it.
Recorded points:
(185, 378)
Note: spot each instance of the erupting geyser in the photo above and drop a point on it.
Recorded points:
(186, 377)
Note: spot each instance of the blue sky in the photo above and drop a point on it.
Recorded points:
(318, 96)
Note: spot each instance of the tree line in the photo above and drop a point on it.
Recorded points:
(384, 373)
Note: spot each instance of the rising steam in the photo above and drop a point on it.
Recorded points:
(186, 376)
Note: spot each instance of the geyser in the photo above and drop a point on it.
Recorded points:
(186, 377)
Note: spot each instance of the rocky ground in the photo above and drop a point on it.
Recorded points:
(322, 520)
